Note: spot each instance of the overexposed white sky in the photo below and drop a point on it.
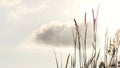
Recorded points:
(19, 19)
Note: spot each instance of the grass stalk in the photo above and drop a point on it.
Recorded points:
(57, 64)
(67, 61)
(85, 57)
(78, 38)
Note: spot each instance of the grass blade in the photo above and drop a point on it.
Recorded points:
(56, 58)
(67, 61)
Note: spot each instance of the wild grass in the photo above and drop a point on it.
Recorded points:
(110, 48)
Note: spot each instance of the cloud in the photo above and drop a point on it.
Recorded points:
(54, 34)
(16, 9)
(60, 34)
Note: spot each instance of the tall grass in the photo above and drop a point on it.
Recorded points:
(110, 48)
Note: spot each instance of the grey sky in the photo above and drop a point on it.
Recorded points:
(19, 19)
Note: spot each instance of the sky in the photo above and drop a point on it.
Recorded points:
(29, 28)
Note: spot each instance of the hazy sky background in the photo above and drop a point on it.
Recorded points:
(29, 27)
